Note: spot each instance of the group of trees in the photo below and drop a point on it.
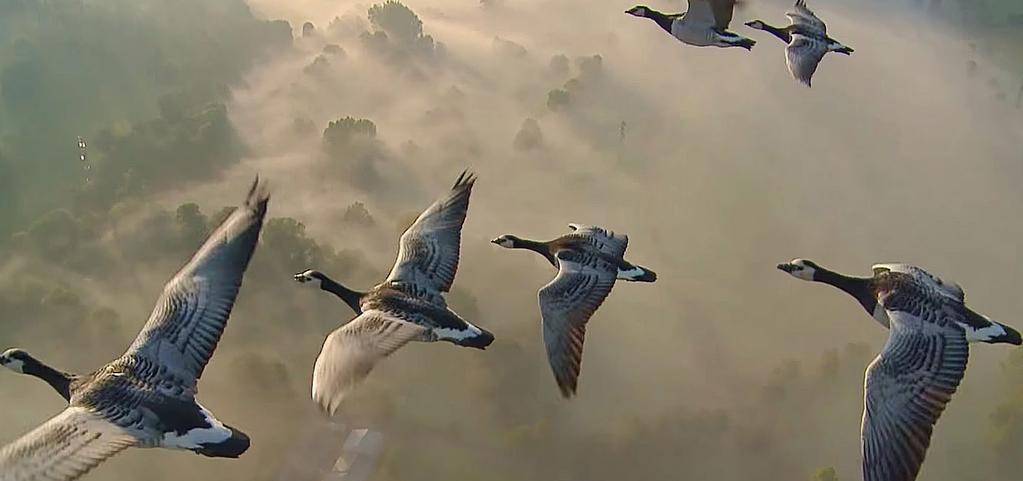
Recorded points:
(70, 68)
(398, 33)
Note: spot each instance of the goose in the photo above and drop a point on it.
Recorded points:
(704, 24)
(807, 39)
(589, 260)
(407, 306)
(908, 385)
(146, 397)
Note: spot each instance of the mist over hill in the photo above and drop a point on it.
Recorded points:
(715, 162)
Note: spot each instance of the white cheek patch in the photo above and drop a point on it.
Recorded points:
(15, 365)
(805, 274)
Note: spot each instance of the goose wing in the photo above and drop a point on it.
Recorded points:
(64, 448)
(429, 249)
(700, 13)
(906, 389)
(804, 17)
(950, 290)
(566, 305)
(191, 313)
(722, 12)
(606, 241)
(802, 55)
(350, 352)
(710, 13)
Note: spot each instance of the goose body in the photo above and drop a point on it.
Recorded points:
(705, 24)
(920, 367)
(589, 261)
(807, 39)
(407, 306)
(146, 397)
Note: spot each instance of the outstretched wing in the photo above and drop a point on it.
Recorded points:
(351, 351)
(906, 390)
(191, 314)
(805, 18)
(64, 448)
(722, 12)
(429, 249)
(700, 13)
(802, 55)
(950, 290)
(566, 305)
(606, 241)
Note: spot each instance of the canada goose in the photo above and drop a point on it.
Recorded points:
(589, 260)
(908, 385)
(807, 39)
(704, 24)
(407, 306)
(146, 397)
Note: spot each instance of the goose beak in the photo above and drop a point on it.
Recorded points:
(493, 241)
(787, 267)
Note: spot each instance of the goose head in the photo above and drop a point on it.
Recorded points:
(757, 24)
(800, 269)
(309, 275)
(16, 360)
(639, 11)
(508, 241)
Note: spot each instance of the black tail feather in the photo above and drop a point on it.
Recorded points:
(232, 447)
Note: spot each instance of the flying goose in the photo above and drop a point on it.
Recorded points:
(146, 397)
(908, 385)
(589, 260)
(704, 24)
(807, 39)
(407, 306)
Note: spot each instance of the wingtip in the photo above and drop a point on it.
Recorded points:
(259, 194)
(465, 180)
(567, 390)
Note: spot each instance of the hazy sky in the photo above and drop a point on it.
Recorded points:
(728, 167)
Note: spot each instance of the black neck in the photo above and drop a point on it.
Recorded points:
(663, 20)
(352, 298)
(859, 287)
(538, 247)
(777, 32)
(60, 381)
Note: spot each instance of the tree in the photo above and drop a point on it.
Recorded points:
(357, 214)
(559, 64)
(825, 474)
(341, 133)
(399, 21)
(191, 224)
(529, 135)
(557, 99)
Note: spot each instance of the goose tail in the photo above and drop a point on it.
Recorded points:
(980, 328)
(231, 447)
(1007, 336)
(746, 43)
(468, 336)
(637, 273)
(730, 39)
